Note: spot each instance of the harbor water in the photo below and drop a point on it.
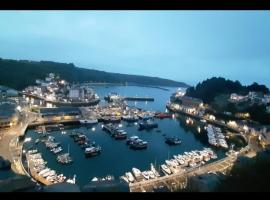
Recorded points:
(116, 157)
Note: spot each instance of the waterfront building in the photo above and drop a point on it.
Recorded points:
(61, 113)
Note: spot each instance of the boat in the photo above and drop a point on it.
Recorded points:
(130, 118)
(131, 139)
(36, 141)
(163, 115)
(146, 117)
(94, 179)
(108, 119)
(147, 125)
(124, 178)
(138, 144)
(72, 181)
(113, 96)
(165, 169)
(151, 174)
(137, 173)
(88, 121)
(44, 171)
(64, 158)
(153, 169)
(145, 175)
(92, 151)
(130, 177)
(119, 134)
(172, 140)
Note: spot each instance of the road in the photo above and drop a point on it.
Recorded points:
(10, 148)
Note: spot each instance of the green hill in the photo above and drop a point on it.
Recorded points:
(211, 88)
(18, 74)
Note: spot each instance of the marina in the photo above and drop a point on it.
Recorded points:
(141, 126)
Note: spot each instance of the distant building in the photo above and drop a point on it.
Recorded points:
(51, 75)
(238, 98)
(74, 93)
(188, 101)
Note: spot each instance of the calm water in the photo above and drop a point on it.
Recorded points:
(116, 157)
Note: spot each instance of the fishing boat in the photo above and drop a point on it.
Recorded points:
(130, 118)
(131, 139)
(119, 134)
(92, 151)
(88, 121)
(138, 144)
(172, 140)
(163, 115)
(147, 125)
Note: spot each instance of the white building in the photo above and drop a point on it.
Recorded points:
(51, 75)
(266, 98)
(237, 98)
(74, 93)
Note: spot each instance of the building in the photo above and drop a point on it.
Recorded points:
(266, 98)
(237, 98)
(74, 93)
(61, 113)
(8, 114)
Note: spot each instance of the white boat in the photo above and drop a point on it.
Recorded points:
(137, 173)
(145, 175)
(88, 121)
(130, 177)
(125, 179)
(44, 171)
(72, 181)
(94, 179)
(153, 169)
(165, 169)
(151, 174)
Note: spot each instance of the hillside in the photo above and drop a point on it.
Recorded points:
(211, 88)
(18, 74)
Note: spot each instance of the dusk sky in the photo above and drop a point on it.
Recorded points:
(187, 46)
